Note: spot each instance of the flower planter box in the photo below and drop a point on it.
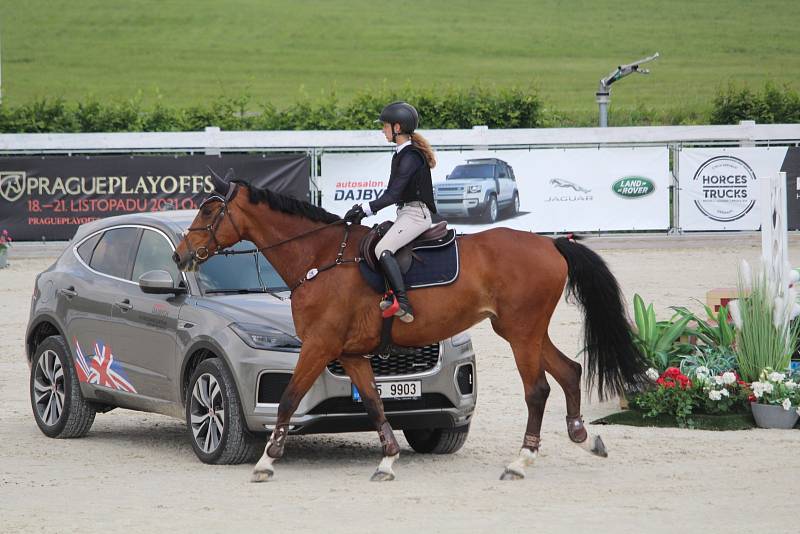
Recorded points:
(773, 416)
(3, 258)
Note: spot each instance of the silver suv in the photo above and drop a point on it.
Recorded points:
(480, 188)
(113, 323)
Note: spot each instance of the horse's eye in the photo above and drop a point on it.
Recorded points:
(206, 212)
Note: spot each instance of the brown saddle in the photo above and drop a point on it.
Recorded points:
(437, 235)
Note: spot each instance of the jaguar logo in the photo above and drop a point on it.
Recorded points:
(558, 182)
(12, 185)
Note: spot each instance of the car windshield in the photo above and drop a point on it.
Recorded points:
(241, 273)
(466, 172)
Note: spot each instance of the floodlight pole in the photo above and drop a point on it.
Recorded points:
(603, 93)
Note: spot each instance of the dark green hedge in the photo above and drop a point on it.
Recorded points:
(447, 108)
(773, 105)
(504, 108)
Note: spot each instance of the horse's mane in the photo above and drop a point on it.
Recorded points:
(289, 205)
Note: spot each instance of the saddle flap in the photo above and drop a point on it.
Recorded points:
(437, 235)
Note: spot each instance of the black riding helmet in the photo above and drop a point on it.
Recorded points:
(402, 113)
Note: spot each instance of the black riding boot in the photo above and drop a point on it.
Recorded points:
(392, 272)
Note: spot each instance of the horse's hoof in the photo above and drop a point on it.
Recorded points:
(599, 448)
(262, 476)
(508, 474)
(380, 476)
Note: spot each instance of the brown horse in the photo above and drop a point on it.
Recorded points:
(514, 279)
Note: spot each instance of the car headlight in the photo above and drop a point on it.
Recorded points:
(260, 336)
(473, 189)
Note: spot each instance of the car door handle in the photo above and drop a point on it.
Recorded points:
(68, 292)
(125, 305)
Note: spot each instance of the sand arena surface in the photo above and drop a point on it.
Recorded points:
(137, 471)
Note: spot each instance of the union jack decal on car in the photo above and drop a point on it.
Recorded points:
(100, 368)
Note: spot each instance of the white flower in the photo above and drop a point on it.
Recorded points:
(714, 395)
(724, 392)
(702, 370)
(652, 374)
(776, 376)
(790, 385)
(736, 313)
(786, 404)
(759, 388)
(745, 275)
(728, 378)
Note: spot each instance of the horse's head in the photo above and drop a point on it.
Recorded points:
(213, 228)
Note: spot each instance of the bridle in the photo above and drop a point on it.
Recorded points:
(202, 253)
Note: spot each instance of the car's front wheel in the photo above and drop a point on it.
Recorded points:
(214, 416)
(437, 440)
(58, 404)
(490, 215)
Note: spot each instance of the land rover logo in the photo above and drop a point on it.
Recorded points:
(633, 187)
(724, 184)
(12, 185)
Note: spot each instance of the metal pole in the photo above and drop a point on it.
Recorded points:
(603, 99)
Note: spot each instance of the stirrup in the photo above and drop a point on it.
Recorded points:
(405, 314)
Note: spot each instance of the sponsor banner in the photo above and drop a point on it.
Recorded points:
(720, 187)
(791, 166)
(48, 197)
(555, 190)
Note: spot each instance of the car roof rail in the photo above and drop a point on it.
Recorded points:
(486, 160)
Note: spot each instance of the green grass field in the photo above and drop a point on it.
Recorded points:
(276, 51)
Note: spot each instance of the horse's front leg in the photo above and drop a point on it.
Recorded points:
(309, 366)
(360, 372)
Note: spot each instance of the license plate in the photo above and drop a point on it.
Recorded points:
(394, 390)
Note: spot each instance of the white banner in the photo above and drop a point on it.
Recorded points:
(719, 187)
(558, 190)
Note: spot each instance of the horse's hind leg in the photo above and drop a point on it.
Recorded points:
(360, 372)
(568, 375)
(309, 366)
(527, 350)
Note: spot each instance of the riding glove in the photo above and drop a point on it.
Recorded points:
(355, 214)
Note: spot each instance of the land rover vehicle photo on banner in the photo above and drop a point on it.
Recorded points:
(480, 189)
(114, 324)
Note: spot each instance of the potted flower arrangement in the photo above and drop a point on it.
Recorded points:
(5, 242)
(775, 399)
(679, 396)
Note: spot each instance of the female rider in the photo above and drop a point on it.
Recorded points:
(410, 188)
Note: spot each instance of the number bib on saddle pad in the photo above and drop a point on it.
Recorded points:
(432, 263)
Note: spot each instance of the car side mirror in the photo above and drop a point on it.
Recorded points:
(159, 282)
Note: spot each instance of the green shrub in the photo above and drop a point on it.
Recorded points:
(447, 108)
(773, 105)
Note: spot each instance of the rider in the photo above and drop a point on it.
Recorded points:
(410, 188)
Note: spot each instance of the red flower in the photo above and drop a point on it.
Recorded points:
(669, 385)
(751, 398)
(672, 372)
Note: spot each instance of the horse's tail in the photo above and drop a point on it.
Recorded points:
(611, 357)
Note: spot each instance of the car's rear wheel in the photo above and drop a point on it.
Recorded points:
(436, 440)
(214, 416)
(58, 404)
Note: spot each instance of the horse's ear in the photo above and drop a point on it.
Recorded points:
(220, 184)
(230, 175)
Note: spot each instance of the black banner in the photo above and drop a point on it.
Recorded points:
(49, 197)
(791, 166)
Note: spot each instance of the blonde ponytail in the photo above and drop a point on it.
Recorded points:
(421, 143)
